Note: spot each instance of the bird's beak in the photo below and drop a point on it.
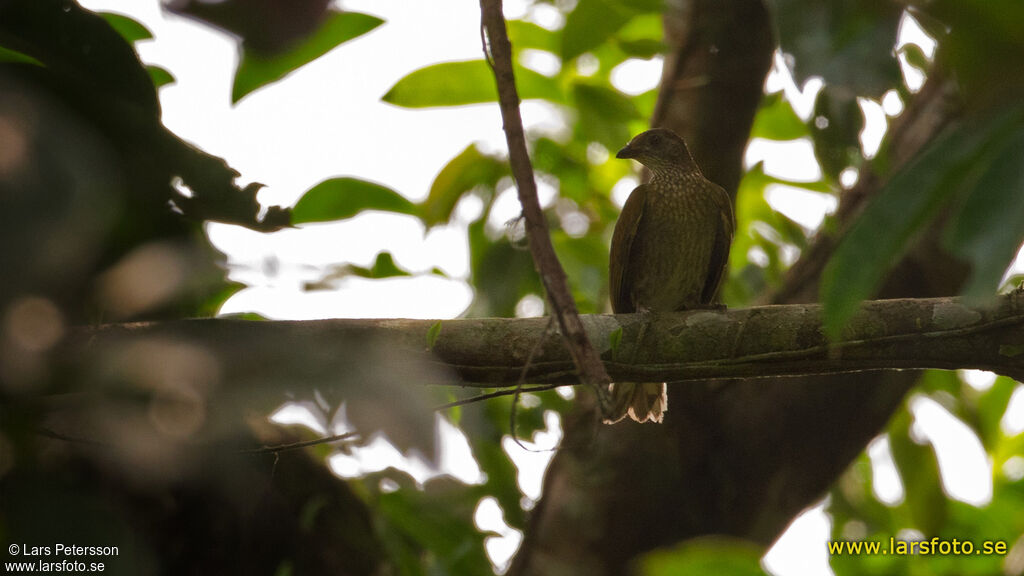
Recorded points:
(626, 152)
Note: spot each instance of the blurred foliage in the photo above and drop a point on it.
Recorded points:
(858, 513)
(967, 180)
(974, 170)
(257, 68)
(710, 555)
(72, 61)
(973, 173)
(266, 26)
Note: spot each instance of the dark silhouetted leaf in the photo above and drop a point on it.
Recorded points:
(340, 198)
(989, 228)
(465, 82)
(90, 57)
(267, 26)
(909, 202)
(849, 44)
(835, 130)
(256, 69)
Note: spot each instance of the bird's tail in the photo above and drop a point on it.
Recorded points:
(640, 401)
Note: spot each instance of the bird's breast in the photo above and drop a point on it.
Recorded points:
(671, 253)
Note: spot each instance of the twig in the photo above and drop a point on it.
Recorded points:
(46, 432)
(496, 394)
(498, 51)
(519, 386)
(296, 445)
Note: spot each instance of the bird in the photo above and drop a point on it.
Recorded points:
(668, 253)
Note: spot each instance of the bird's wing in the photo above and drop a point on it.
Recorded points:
(720, 250)
(622, 245)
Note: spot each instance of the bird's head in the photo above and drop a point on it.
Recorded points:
(659, 149)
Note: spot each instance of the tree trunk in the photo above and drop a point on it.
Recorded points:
(741, 457)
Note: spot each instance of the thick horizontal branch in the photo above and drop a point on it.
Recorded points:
(697, 345)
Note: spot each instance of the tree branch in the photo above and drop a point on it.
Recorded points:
(584, 357)
(698, 345)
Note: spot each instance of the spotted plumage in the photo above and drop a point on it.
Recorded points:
(669, 249)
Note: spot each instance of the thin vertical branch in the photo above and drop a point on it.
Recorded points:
(498, 51)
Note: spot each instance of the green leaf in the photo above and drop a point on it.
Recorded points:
(129, 29)
(646, 102)
(501, 273)
(435, 521)
(433, 333)
(160, 76)
(849, 44)
(256, 70)
(915, 56)
(642, 48)
(989, 228)
(526, 35)
(837, 141)
(485, 425)
(717, 555)
(776, 120)
(990, 410)
(643, 36)
(384, 267)
(615, 338)
(593, 22)
(340, 198)
(471, 168)
(585, 263)
(465, 82)
(908, 203)
(8, 55)
(212, 303)
(569, 163)
(759, 227)
(919, 470)
(604, 113)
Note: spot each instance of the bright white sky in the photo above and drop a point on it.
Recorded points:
(327, 120)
